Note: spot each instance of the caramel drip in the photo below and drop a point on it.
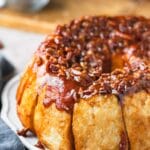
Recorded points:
(95, 55)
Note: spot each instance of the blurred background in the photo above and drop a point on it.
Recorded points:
(31, 17)
(25, 23)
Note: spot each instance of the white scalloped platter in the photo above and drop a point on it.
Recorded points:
(9, 114)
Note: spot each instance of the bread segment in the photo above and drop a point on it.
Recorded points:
(53, 127)
(27, 105)
(98, 124)
(27, 97)
(136, 110)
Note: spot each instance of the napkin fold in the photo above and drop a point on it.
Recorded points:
(8, 139)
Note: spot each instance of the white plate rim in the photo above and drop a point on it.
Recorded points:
(4, 111)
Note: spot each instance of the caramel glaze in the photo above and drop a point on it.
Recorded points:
(79, 57)
(23, 132)
(124, 142)
(64, 94)
(39, 145)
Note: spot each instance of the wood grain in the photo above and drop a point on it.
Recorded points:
(62, 11)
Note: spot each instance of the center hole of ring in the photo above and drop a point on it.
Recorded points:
(117, 61)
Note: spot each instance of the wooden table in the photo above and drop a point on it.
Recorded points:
(62, 11)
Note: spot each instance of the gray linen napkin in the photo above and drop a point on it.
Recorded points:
(8, 139)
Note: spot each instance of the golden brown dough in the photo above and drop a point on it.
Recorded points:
(27, 97)
(98, 124)
(27, 106)
(136, 110)
(27, 77)
(53, 127)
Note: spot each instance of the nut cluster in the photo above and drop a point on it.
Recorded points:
(82, 52)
